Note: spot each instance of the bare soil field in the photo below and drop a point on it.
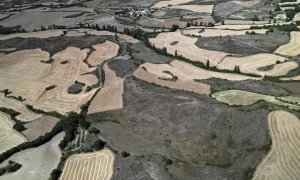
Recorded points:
(88, 79)
(243, 22)
(297, 17)
(9, 138)
(295, 78)
(103, 52)
(186, 47)
(11, 103)
(282, 161)
(37, 163)
(38, 34)
(206, 9)
(127, 38)
(39, 127)
(251, 64)
(168, 3)
(91, 166)
(292, 48)
(110, 96)
(58, 99)
(219, 32)
(245, 98)
(228, 8)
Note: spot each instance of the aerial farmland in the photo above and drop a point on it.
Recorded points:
(149, 89)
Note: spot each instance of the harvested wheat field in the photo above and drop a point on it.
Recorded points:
(127, 38)
(283, 160)
(37, 163)
(292, 48)
(17, 74)
(9, 138)
(181, 75)
(11, 103)
(195, 8)
(168, 3)
(58, 99)
(251, 64)
(219, 32)
(90, 166)
(39, 127)
(88, 79)
(295, 78)
(110, 96)
(186, 47)
(103, 52)
(297, 17)
(38, 34)
(245, 98)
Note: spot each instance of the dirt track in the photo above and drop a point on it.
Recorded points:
(283, 160)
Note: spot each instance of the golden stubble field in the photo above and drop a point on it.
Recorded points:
(110, 96)
(292, 48)
(283, 160)
(90, 166)
(103, 52)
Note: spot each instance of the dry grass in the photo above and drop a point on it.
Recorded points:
(90, 166)
(219, 32)
(292, 48)
(39, 127)
(195, 8)
(9, 138)
(110, 96)
(103, 52)
(186, 47)
(283, 160)
(58, 99)
(251, 64)
(10, 103)
(244, 98)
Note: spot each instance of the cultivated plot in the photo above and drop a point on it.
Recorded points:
(91, 166)
(252, 64)
(244, 98)
(186, 47)
(110, 96)
(218, 32)
(292, 48)
(103, 52)
(9, 138)
(283, 160)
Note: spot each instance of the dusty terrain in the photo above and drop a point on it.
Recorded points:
(91, 166)
(282, 162)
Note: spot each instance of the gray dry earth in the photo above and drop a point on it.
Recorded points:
(245, 45)
(37, 163)
(202, 137)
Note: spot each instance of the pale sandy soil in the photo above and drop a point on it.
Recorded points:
(244, 98)
(84, 68)
(38, 34)
(195, 8)
(283, 160)
(292, 48)
(37, 163)
(295, 78)
(219, 32)
(10, 103)
(39, 127)
(250, 64)
(90, 166)
(58, 99)
(103, 52)
(110, 96)
(297, 17)
(9, 138)
(244, 22)
(186, 47)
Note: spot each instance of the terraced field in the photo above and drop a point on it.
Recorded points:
(283, 160)
(91, 166)
(9, 138)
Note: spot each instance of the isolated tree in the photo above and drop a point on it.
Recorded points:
(207, 64)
